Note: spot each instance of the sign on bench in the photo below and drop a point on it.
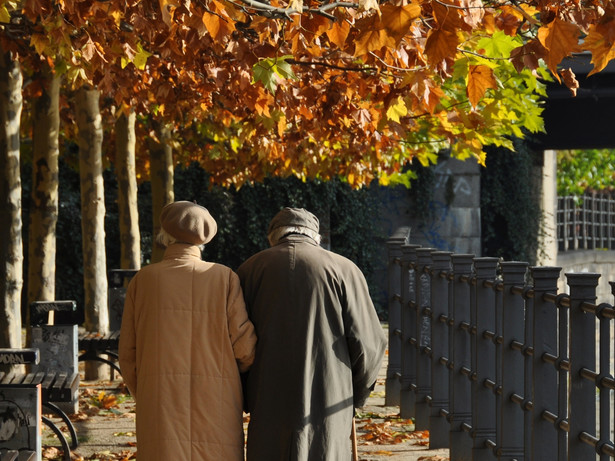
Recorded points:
(20, 410)
(64, 312)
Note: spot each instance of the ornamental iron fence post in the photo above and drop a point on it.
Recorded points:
(582, 409)
(460, 416)
(392, 384)
(438, 425)
(483, 360)
(544, 375)
(408, 327)
(511, 423)
(423, 338)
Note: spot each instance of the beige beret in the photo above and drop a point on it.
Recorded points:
(188, 222)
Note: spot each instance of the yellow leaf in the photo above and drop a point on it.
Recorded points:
(140, 58)
(5, 16)
(397, 110)
(480, 78)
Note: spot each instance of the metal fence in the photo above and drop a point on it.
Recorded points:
(586, 222)
(493, 362)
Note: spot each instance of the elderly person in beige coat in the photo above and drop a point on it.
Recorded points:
(185, 339)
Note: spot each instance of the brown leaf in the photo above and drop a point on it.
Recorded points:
(560, 38)
(480, 79)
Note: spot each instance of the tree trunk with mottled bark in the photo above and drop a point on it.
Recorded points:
(44, 196)
(11, 245)
(130, 239)
(87, 115)
(161, 177)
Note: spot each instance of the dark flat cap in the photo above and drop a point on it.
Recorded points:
(294, 217)
(188, 222)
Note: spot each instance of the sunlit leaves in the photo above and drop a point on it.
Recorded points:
(356, 91)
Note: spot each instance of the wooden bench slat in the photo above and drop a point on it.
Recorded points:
(8, 378)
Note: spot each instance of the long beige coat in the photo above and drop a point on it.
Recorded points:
(185, 338)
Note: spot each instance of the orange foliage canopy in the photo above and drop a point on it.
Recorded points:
(315, 88)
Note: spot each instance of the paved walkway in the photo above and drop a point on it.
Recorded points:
(106, 428)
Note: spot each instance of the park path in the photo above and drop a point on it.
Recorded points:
(105, 426)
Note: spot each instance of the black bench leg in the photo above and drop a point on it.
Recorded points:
(58, 432)
(71, 428)
(87, 357)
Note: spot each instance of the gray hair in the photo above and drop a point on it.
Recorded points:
(279, 232)
(165, 239)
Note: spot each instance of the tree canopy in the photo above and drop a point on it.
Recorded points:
(315, 88)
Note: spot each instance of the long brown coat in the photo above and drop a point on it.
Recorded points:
(320, 347)
(185, 338)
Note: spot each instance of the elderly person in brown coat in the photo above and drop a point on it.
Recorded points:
(185, 339)
(320, 344)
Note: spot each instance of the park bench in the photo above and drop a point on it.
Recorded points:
(54, 332)
(21, 397)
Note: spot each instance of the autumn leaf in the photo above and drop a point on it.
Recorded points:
(441, 44)
(480, 79)
(570, 80)
(167, 7)
(140, 57)
(372, 40)
(561, 39)
(5, 16)
(217, 22)
(367, 5)
(338, 33)
(601, 47)
(398, 19)
(40, 42)
(397, 110)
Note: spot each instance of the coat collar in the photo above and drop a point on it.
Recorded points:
(297, 238)
(182, 250)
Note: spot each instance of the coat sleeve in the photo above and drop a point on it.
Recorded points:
(364, 335)
(128, 343)
(241, 329)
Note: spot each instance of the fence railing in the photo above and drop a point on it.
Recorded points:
(493, 362)
(586, 222)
